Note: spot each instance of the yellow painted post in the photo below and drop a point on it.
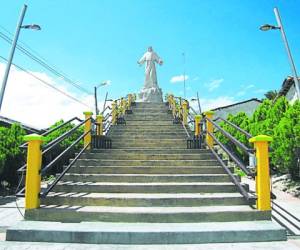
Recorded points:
(99, 120)
(263, 190)
(87, 127)
(185, 112)
(209, 128)
(129, 100)
(197, 125)
(123, 105)
(33, 176)
(114, 112)
(172, 105)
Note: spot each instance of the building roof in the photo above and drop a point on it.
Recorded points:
(286, 85)
(5, 121)
(237, 103)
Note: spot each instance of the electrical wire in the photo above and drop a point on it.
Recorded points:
(43, 63)
(46, 83)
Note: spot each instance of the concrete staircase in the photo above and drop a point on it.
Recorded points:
(148, 189)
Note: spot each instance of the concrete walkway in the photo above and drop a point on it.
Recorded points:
(289, 245)
(10, 216)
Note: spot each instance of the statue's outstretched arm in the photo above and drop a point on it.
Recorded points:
(158, 59)
(142, 60)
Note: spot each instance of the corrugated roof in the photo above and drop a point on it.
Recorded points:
(9, 121)
(237, 103)
(286, 85)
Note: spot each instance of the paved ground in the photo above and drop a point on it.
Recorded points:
(9, 216)
(290, 245)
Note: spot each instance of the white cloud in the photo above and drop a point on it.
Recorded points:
(259, 91)
(29, 101)
(241, 93)
(250, 86)
(214, 84)
(179, 78)
(212, 103)
(196, 78)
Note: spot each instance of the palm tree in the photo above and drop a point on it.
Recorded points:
(271, 94)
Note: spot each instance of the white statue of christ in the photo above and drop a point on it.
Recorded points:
(150, 91)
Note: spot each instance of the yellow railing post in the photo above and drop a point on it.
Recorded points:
(87, 127)
(114, 113)
(185, 112)
(33, 176)
(209, 128)
(99, 120)
(123, 105)
(129, 100)
(263, 191)
(197, 125)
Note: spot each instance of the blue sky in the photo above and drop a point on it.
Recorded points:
(227, 56)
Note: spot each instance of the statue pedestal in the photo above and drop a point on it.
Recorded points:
(150, 95)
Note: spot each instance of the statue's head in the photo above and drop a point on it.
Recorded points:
(150, 49)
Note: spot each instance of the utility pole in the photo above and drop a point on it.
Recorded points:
(11, 54)
(184, 93)
(285, 41)
(96, 102)
(13, 48)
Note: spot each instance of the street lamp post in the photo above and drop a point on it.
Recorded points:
(95, 95)
(13, 47)
(267, 27)
(183, 56)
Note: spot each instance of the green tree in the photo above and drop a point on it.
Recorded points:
(271, 95)
(11, 156)
(286, 141)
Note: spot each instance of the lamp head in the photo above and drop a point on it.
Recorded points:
(267, 27)
(32, 27)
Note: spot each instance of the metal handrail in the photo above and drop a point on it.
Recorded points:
(235, 126)
(195, 112)
(55, 142)
(44, 193)
(54, 129)
(230, 137)
(240, 164)
(44, 170)
(185, 129)
(241, 189)
(107, 107)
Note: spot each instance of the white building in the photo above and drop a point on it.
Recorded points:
(288, 90)
(247, 106)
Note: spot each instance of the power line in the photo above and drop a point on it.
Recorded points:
(43, 63)
(46, 83)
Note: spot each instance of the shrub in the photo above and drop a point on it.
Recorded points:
(279, 120)
(11, 156)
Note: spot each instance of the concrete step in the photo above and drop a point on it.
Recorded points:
(154, 135)
(151, 141)
(147, 214)
(151, 104)
(148, 127)
(144, 200)
(151, 151)
(146, 118)
(154, 187)
(143, 156)
(149, 122)
(147, 170)
(146, 233)
(149, 146)
(147, 178)
(149, 111)
(136, 136)
(102, 162)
